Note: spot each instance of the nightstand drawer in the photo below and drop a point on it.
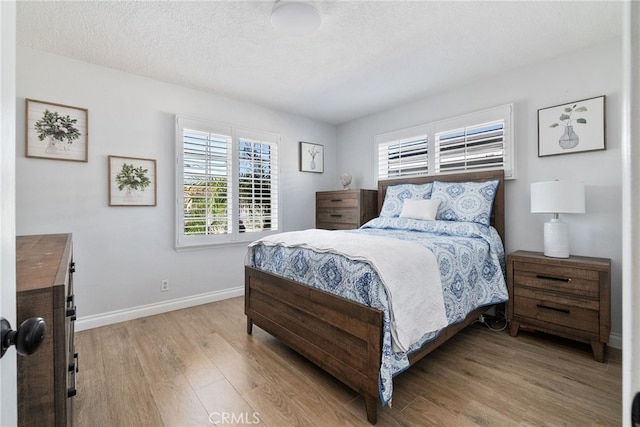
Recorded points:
(576, 313)
(577, 281)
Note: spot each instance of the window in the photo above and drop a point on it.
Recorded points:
(473, 147)
(227, 186)
(477, 141)
(404, 157)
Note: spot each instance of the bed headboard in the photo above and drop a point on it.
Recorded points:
(497, 213)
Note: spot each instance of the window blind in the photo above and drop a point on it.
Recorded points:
(481, 140)
(257, 185)
(207, 190)
(403, 158)
(474, 147)
(227, 184)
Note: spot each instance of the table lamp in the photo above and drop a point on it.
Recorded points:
(557, 197)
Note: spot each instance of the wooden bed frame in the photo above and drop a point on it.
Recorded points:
(341, 336)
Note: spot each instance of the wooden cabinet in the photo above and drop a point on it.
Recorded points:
(44, 288)
(569, 297)
(345, 209)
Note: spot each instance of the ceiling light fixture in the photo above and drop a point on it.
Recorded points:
(295, 17)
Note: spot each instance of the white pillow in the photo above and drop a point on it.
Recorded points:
(425, 209)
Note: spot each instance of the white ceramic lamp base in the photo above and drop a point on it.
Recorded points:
(556, 239)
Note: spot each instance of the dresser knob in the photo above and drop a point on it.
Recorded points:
(26, 338)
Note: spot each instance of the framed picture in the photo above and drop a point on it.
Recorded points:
(56, 131)
(132, 181)
(311, 157)
(571, 128)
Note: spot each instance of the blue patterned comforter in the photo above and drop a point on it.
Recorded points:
(470, 257)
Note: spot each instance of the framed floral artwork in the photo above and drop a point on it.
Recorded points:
(56, 131)
(311, 157)
(132, 181)
(572, 127)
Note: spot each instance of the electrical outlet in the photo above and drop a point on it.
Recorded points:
(164, 285)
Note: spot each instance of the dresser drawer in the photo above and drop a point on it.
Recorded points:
(342, 199)
(577, 281)
(340, 216)
(572, 312)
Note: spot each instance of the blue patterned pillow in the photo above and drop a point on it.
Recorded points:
(396, 195)
(465, 201)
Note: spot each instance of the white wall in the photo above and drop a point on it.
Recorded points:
(583, 74)
(631, 210)
(122, 253)
(8, 366)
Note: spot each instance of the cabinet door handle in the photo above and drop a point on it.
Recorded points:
(560, 310)
(557, 279)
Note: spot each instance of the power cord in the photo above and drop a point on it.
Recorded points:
(481, 319)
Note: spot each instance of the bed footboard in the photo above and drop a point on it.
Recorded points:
(340, 336)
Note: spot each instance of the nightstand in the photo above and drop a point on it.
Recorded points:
(345, 209)
(568, 297)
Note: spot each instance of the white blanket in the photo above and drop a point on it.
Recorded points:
(408, 270)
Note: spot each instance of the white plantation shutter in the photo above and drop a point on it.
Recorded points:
(472, 142)
(406, 157)
(207, 189)
(227, 183)
(257, 185)
(473, 147)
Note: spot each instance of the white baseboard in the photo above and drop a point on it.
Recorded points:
(615, 341)
(104, 319)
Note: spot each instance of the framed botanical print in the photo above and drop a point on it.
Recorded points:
(311, 157)
(572, 127)
(56, 131)
(132, 181)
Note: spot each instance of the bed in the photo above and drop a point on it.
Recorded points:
(347, 336)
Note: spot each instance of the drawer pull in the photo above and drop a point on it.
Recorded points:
(70, 298)
(561, 310)
(72, 267)
(335, 216)
(71, 312)
(73, 367)
(557, 279)
(336, 200)
(72, 391)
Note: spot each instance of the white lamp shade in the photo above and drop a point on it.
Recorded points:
(557, 197)
(295, 17)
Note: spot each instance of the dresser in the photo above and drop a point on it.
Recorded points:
(345, 209)
(568, 297)
(44, 288)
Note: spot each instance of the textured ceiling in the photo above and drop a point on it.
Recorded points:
(366, 57)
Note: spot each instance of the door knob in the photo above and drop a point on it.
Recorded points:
(27, 337)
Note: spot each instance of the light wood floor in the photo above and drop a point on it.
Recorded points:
(197, 367)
